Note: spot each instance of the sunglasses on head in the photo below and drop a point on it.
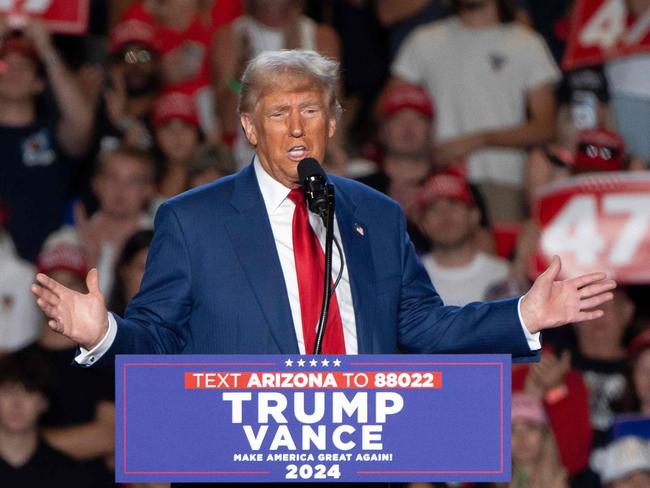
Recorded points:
(134, 55)
(595, 151)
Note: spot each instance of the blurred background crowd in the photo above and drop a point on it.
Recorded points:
(457, 109)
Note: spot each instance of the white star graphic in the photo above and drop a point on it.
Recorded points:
(313, 362)
(325, 362)
(301, 362)
(337, 362)
(288, 362)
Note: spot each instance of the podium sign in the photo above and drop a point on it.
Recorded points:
(270, 418)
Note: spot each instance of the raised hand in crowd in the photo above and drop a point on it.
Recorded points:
(76, 124)
(135, 133)
(549, 373)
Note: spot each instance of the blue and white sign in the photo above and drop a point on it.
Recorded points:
(362, 418)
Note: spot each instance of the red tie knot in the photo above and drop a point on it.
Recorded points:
(297, 196)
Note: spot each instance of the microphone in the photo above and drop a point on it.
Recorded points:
(320, 199)
(314, 182)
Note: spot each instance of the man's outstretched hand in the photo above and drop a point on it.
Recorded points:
(551, 302)
(81, 317)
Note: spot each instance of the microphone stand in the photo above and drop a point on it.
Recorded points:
(328, 219)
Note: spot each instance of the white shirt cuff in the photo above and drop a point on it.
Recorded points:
(533, 339)
(88, 358)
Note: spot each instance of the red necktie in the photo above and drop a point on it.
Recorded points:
(310, 267)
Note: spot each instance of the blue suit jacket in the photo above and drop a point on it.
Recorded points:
(213, 283)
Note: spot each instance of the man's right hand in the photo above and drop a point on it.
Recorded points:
(81, 317)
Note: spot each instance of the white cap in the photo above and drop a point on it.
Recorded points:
(621, 458)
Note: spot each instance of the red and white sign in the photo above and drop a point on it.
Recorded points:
(596, 222)
(61, 16)
(601, 30)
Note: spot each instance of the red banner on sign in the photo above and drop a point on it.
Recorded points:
(602, 30)
(245, 380)
(596, 222)
(62, 16)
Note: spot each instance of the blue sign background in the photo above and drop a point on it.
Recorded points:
(459, 432)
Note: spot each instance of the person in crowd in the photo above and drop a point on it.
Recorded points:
(565, 398)
(449, 217)
(405, 115)
(124, 186)
(177, 133)
(185, 41)
(210, 163)
(26, 459)
(280, 24)
(134, 82)
(602, 358)
(637, 395)
(215, 13)
(80, 420)
(630, 91)
(37, 147)
(583, 94)
(20, 321)
(535, 462)
(492, 80)
(624, 463)
(129, 270)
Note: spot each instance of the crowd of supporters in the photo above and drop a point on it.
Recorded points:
(455, 109)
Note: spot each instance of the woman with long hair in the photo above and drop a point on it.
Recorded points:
(129, 270)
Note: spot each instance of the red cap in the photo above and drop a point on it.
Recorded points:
(62, 256)
(400, 96)
(445, 185)
(19, 45)
(640, 343)
(599, 150)
(132, 31)
(175, 105)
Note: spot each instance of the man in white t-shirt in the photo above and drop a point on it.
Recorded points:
(449, 217)
(492, 82)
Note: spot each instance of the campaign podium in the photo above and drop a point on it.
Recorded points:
(290, 418)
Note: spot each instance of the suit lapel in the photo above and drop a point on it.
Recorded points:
(358, 259)
(251, 234)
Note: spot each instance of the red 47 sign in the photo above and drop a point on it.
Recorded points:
(598, 222)
(601, 30)
(63, 16)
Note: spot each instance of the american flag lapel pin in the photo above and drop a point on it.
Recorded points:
(360, 230)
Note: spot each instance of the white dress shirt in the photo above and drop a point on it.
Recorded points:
(280, 211)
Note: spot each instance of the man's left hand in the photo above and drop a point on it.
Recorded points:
(551, 302)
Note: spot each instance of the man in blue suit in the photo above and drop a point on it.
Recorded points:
(222, 275)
